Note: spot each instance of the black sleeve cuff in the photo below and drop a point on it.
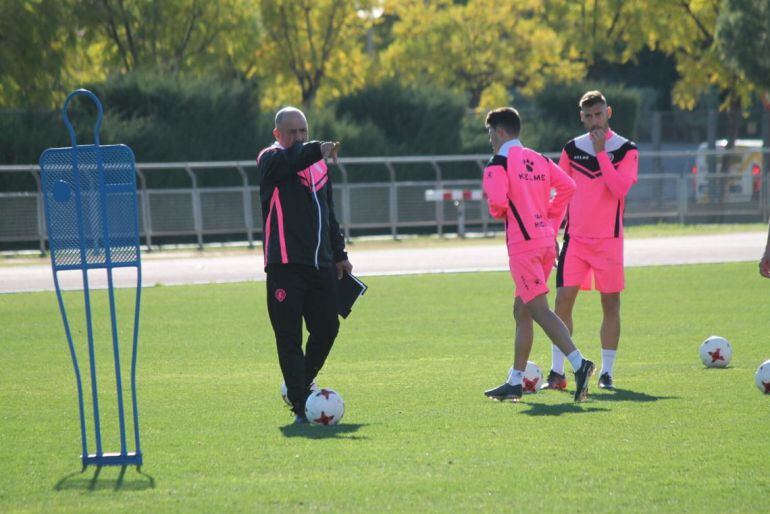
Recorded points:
(314, 150)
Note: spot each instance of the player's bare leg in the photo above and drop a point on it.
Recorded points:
(565, 302)
(525, 335)
(610, 336)
(512, 388)
(610, 331)
(559, 335)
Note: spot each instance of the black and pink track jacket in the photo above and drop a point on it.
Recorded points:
(298, 207)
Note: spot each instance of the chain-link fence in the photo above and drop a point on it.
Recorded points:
(395, 203)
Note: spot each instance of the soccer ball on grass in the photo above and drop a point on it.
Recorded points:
(716, 352)
(324, 407)
(762, 377)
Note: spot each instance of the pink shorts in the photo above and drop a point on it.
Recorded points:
(585, 261)
(530, 270)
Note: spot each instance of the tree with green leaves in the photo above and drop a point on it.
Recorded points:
(690, 28)
(36, 38)
(743, 38)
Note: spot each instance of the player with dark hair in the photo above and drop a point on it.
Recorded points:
(604, 166)
(518, 183)
(304, 251)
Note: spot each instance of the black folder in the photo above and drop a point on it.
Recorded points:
(349, 288)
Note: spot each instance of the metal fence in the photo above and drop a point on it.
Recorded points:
(667, 190)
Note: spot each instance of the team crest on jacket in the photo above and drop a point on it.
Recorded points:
(280, 295)
(529, 165)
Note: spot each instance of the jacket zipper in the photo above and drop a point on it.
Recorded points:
(318, 205)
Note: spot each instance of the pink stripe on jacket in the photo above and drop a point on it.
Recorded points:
(518, 189)
(275, 206)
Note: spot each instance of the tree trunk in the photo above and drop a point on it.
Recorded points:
(475, 99)
(309, 93)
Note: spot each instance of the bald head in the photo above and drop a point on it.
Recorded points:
(288, 112)
(290, 126)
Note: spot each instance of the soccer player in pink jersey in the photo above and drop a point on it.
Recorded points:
(518, 183)
(604, 166)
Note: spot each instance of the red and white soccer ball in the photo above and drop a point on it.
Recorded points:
(285, 394)
(532, 379)
(716, 352)
(762, 377)
(324, 407)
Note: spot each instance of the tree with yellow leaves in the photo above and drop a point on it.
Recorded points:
(48, 47)
(311, 49)
(481, 47)
(172, 36)
(688, 33)
(616, 30)
(601, 30)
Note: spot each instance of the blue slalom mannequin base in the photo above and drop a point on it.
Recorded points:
(112, 459)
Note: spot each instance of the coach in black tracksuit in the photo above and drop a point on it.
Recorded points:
(304, 251)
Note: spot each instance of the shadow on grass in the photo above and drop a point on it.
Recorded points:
(617, 395)
(137, 481)
(543, 409)
(318, 432)
(625, 395)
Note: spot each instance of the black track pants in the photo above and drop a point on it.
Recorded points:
(295, 292)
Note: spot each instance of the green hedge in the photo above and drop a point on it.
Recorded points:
(169, 118)
(25, 134)
(166, 118)
(412, 121)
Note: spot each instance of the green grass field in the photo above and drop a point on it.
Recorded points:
(418, 435)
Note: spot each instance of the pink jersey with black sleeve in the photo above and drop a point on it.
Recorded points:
(603, 181)
(518, 189)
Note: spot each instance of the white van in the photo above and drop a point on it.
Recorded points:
(744, 178)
